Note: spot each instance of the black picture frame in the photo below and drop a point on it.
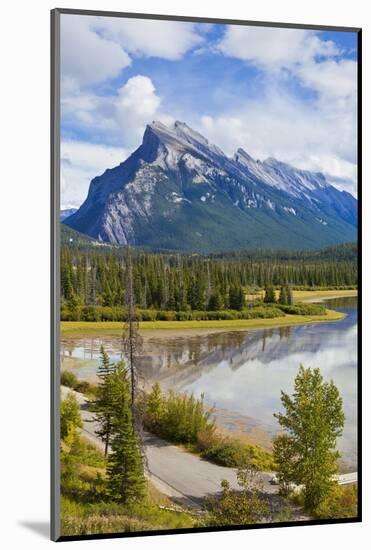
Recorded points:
(55, 265)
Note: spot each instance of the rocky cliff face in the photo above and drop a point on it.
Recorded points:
(177, 191)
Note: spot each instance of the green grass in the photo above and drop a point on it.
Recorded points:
(90, 519)
(342, 502)
(86, 508)
(315, 294)
(300, 295)
(108, 327)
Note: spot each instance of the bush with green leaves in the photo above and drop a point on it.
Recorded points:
(233, 453)
(177, 417)
(68, 379)
(302, 309)
(342, 502)
(243, 507)
(258, 310)
(70, 419)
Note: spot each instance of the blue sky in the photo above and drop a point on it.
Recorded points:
(286, 93)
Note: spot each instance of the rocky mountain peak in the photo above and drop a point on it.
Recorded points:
(179, 191)
(242, 157)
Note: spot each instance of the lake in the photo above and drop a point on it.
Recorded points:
(242, 373)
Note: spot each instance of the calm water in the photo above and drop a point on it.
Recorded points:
(244, 372)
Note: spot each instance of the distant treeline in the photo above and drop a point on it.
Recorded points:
(173, 282)
(346, 252)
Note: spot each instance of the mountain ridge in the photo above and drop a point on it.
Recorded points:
(179, 191)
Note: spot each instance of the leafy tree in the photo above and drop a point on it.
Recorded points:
(242, 507)
(70, 419)
(126, 482)
(313, 420)
(102, 405)
(270, 295)
(154, 408)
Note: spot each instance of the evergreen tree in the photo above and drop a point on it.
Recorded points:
(283, 296)
(289, 295)
(215, 302)
(270, 295)
(96, 277)
(313, 420)
(102, 406)
(236, 298)
(154, 408)
(126, 481)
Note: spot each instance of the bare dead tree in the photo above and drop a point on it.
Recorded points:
(132, 341)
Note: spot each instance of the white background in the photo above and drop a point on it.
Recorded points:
(25, 266)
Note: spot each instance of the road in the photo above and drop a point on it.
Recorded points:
(181, 475)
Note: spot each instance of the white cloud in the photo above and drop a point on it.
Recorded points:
(87, 57)
(80, 163)
(332, 79)
(274, 48)
(312, 137)
(119, 118)
(151, 38)
(136, 105)
(318, 134)
(96, 49)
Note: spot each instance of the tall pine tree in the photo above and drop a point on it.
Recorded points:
(283, 296)
(270, 296)
(126, 481)
(102, 406)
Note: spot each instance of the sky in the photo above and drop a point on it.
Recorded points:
(284, 93)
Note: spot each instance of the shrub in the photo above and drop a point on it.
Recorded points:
(147, 314)
(302, 309)
(118, 314)
(68, 379)
(83, 386)
(241, 507)
(70, 419)
(230, 452)
(341, 503)
(176, 417)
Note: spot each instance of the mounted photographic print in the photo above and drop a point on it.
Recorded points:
(205, 279)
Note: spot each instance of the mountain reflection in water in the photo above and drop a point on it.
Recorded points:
(243, 372)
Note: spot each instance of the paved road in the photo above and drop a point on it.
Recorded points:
(347, 479)
(177, 473)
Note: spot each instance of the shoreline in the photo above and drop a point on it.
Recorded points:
(114, 328)
(257, 434)
(71, 328)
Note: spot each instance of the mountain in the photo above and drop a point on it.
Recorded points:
(79, 240)
(66, 213)
(179, 192)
